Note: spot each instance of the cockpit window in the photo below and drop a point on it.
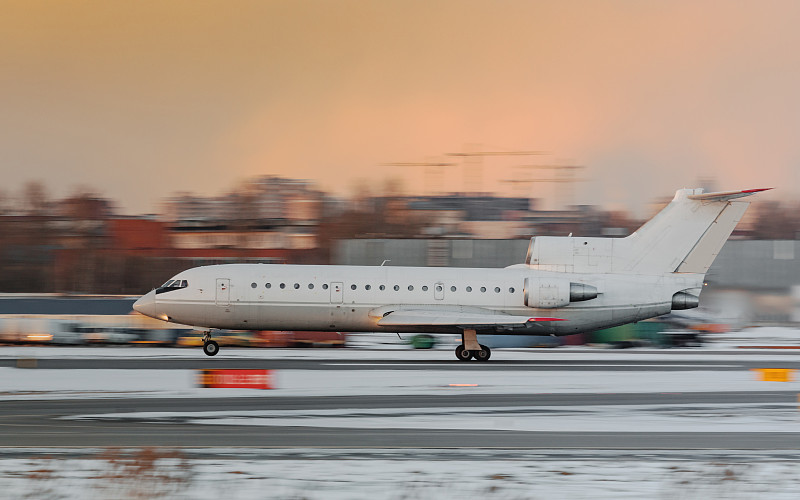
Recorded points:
(172, 285)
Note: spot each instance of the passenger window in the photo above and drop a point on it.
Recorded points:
(396, 288)
(497, 289)
(353, 287)
(296, 286)
(367, 287)
(324, 286)
(452, 289)
(410, 288)
(268, 285)
(424, 288)
(283, 285)
(483, 289)
(382, 287)
(469, 288)
(311, 286)
(253, 285)
(511, 290)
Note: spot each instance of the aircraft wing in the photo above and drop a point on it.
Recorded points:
(426, 317)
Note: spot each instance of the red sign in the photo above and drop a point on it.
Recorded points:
(236, 379)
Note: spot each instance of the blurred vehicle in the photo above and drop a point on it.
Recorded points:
(38, 331)
(683, 338)
(700, 320)
(317, 339)
(109, 335)
(160, 337)
(423, 341)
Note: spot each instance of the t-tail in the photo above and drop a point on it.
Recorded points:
(684, 237)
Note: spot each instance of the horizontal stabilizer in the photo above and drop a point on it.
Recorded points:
(726, 195)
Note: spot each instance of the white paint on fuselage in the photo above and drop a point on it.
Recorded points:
(306, 301)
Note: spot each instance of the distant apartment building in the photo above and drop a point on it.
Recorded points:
(267, 214)
(267, 201)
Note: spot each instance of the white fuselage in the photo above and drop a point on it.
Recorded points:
(354, 298)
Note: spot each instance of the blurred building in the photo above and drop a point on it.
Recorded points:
(267, 201)
(495, 217)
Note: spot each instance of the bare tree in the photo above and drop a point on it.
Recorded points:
(35, 199)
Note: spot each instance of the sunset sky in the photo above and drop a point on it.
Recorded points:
(141, 99)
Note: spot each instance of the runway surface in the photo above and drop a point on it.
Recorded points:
(193, 359)
(116, 421)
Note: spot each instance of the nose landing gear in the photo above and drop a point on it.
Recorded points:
(210, 347)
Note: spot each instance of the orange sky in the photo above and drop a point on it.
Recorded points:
(141, 99)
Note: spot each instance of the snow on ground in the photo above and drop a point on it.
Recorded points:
(18, 383)
(587, 418)
(175, 475)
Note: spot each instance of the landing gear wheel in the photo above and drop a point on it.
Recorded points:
(211, 348)
(463, 354)
(483, 354)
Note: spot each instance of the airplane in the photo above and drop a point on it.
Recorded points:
(567, 285)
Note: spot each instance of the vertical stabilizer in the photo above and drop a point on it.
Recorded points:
(687, 234)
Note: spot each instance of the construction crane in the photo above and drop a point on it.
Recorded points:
(433, 173)
(563, 178)
(473, 165)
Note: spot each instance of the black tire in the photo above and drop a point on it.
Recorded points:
(483, 354)
(463, 354)
(211, 348)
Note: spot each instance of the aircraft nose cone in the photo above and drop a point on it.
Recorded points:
(146, 304)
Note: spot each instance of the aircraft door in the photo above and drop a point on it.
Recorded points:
(438, 291)
(223, 292)
(336, 293)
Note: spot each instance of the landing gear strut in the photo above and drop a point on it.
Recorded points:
(210, 347)
(470, 349)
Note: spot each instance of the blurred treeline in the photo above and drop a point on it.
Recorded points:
(63, 245)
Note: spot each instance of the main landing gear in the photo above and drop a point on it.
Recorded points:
(210, 347)
(470, 349)
(482, 354)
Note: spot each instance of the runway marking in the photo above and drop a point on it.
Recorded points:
(575, 365)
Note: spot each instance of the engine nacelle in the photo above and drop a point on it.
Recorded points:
(551, 293)
(579, 292)
(683, 300)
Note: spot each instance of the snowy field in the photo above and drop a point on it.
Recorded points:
(148, 473)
